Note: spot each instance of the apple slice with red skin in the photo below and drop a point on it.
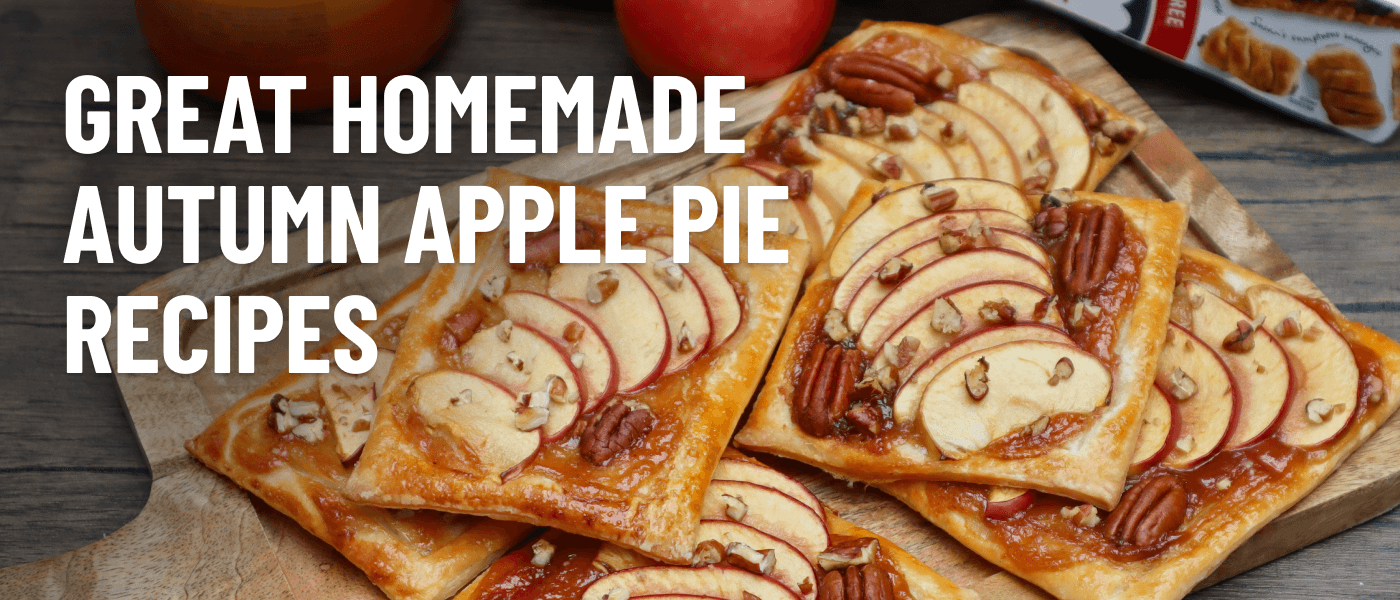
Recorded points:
(1161, 425)
(1018, 392)
(967, 160)
(478, 413)
(349, 401)
(925, 232)
(1323, 361)
(923, 155)
(730, 469)
(631, 320)
(862, 154)
(1006, 502)
(770, 511)
(726, 312)
(910, 393)
(794, 218)
(969, 301)
(998, 158)
(684, 305)
(1015, 124)
(1209, 416)
(492, 353)
(872, 291)
(1069, 140)
(1265, 377)
(714, 581)
(906, 205)
(790, 567)
(598, 368)
(938, 278)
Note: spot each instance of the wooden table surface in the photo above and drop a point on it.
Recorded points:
(70, 468)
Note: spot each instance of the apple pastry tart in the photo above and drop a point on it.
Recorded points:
(902, 103)
(763, 535)
(293, 442)
(1260, 393)
(592, 398)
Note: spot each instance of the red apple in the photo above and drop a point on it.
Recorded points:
(695, 38)
(1006, 502)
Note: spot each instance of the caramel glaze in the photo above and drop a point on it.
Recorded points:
(559, 460)
(1039, 539)
(799, 100)
(569, 572)
(1096, 335)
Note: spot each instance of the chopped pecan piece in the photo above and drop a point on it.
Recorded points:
(1091, 248)
(872, 120)
(798, 183)
(850, 553)
(1240, 340)
(460, 328)
(938, 198)
(823, 394)
(617, 428)
(708, 552)
(1152, 509)
(998, 312)
(894, 271)
(1119, 130)
(976, 380)
(871, 79)
(799, 150)
(1089, 112)
(866, 418)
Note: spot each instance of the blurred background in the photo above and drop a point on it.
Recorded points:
(70, 468)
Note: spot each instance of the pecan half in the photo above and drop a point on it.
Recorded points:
(823, 394)
(866, 582)
(1091, 248)
(542, 247)
(1150, 510)
(875, 80)
(616, 429)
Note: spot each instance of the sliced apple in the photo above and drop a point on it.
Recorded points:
(863, 155)
(686, 312)
(793, 218)
(631, 319)
(921, 287)
(1263, 373)
(1016, 125)
(741, 470)
(526, 361)
(790, 567)
(839, 177)
(589, 351)
(923, 155)
(1328, 377)
(997, 156)
(1006, 502)
(911, 391)
(872, 291)
(350, 401)
(1191, 374)
(819, 207)
(1017, 391)
(969, 301)
(967, 161)
(478, 413)
(928, 230)
(1069, 141)
(1161, 425)
(714, 581)
(910, 204)
(770, 511)
(725, 310)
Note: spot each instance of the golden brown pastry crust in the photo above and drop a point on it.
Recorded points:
(1341, 10)
(1233, 48)
(409, 556)
(970, 53)
(1210, 537)
(658, 515)
(1092, 468)
(1345, 87)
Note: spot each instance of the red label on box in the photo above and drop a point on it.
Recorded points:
(1173, 26)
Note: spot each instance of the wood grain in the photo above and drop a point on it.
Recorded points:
(1329, 201)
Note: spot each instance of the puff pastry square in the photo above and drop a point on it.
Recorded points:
(1078, 452)
(410, 555)
(428, 449)
(1233, 492)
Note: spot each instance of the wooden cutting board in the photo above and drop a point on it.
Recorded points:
(202, 536)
